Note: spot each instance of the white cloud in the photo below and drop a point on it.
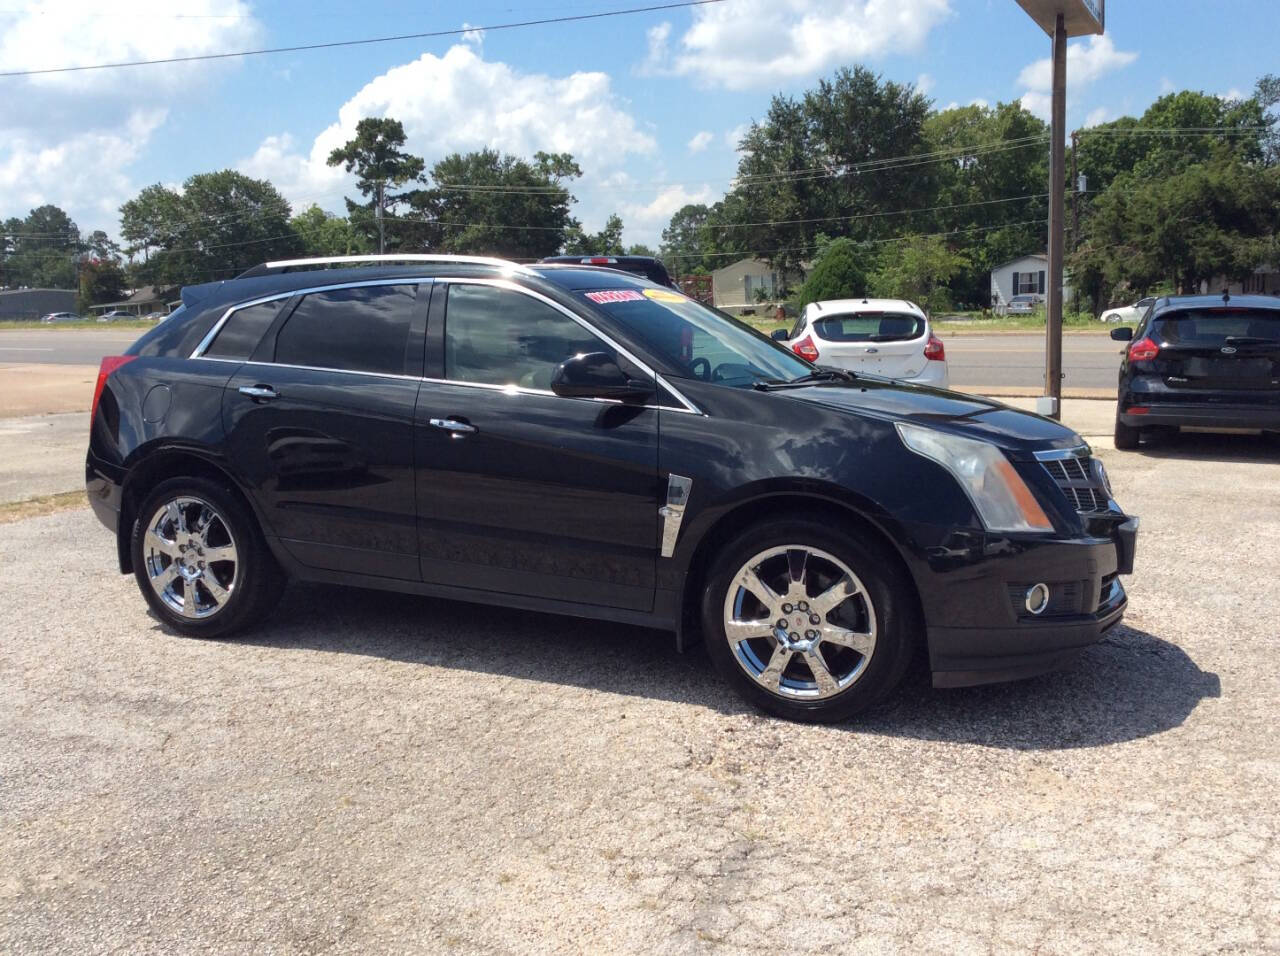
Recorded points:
(459, 102)
(473, 35)
(1097, 117)
(701, 140)
(760, 43)
(651, 217)
(976, 101)
(734, 136)
(925, 83)
(1231, 94)
(1087, 62)
(71, 138)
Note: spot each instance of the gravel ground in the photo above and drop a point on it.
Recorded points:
(383, 773)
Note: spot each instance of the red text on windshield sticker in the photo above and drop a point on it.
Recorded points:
(615, 295)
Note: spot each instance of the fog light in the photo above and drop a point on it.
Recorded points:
(1037, 598)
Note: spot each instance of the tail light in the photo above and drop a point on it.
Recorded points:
(109, 364)
(933, 349)
(1143, 350)
(806, 349)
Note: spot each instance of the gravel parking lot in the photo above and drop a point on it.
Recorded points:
(383, 773)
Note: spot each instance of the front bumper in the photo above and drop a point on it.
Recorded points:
(994, 637)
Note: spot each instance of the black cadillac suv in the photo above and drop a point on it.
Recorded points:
(577, 440)
(1200, 360)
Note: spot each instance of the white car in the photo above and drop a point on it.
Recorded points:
(60, 317)
(1131, 314)
(889, 337)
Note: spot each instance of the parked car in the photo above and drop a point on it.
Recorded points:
(889, 337)
(1129, 313)
(1025, 304)
(154, 316)
(60, 317)
(581, 441)
(647, 266)
(115, 315)
(1200, 360)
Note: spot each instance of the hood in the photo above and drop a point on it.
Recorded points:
(1011, 429)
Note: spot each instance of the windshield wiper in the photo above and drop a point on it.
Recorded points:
(825, 375)
(1250, 340)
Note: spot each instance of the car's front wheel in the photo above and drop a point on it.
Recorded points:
(200, 559)
(807, 621)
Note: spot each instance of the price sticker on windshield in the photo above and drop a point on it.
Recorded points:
(615, 295)
(662, 295)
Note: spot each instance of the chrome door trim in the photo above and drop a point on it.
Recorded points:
(517, 287)
(678, 487)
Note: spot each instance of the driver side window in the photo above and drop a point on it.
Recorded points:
(494, 336)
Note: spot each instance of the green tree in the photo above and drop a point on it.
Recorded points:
(375, 156)
(842, 270)
(219, 225)
(640, 249)
(322, 233)
(918, 269)
(684, 241)
(606, 242)
(101, 280)
(509, 206)
(40, 251)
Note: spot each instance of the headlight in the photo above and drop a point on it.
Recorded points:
(1001, 497)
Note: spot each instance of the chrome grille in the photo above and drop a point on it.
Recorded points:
(1079, 481)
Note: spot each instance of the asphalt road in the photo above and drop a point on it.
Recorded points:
(381, 773)
(1090, 360)
(1003, 360)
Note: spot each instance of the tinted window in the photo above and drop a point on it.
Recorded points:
(870, 327)
(363, 329)
(243, 330)
(1213, 328)
(499, 337)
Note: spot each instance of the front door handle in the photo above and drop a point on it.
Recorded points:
(455, 428)
(259, 393)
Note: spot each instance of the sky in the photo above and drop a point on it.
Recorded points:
(651, 105)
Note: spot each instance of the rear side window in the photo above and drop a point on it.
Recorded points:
(1214, 328)
(244, 329)
(498, 337)
(870, 327)
(365, 329)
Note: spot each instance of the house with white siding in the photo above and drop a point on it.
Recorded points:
(1026, 275)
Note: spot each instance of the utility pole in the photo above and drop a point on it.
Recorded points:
(1075, 194)
(1057, 170)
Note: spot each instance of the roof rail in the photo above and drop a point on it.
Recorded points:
(411, 257)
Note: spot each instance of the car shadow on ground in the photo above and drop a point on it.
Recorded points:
(1209, 446)
(1129, 686)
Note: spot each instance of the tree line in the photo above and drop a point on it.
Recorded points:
(860, 183)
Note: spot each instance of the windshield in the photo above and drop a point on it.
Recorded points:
(870, 327)
(700, 342)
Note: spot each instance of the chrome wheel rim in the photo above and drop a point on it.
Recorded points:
(799, 622)
(191, 558)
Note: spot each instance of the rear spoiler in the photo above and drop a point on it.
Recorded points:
(193, 294)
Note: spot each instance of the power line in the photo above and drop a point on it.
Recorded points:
(571, 18)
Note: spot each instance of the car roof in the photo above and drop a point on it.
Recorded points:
(1217, 302)
(839, 306)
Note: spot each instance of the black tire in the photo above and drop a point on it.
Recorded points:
(1127, 438)
(896, 617)
(253, 581)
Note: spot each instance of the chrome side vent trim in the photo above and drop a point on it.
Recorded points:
(673, 511)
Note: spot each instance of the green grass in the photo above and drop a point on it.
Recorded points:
(27, 325)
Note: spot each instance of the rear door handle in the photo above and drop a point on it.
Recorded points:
(259, 393)
(455, 428)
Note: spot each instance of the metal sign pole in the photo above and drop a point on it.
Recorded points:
(1057, 215)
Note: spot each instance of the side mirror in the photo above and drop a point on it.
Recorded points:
(1122, 334)
(778, 335)
(596, 375)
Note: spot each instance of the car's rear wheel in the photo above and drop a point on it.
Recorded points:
(1127, 438)
(200, 559)
(806, 621)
